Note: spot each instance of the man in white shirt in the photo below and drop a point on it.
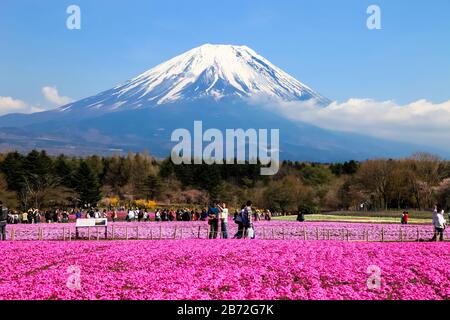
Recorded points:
(223, 215)
(131, 215)
(439, 224)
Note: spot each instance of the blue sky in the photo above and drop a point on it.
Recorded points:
(323, 43)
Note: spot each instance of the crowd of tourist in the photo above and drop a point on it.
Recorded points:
(34, 215)
(216, 215)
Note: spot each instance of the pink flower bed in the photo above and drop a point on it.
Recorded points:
(274, 230)
(199, 269)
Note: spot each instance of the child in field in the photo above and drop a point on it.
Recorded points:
(405, 218)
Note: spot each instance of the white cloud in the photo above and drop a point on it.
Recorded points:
(420, 122)
(52, 95)
(11, 105)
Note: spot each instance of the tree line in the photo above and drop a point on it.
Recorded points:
(42, 181)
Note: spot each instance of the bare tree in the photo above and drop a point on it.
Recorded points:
(424, 172)
(36, 188)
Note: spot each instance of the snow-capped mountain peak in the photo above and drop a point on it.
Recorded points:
(216, 71)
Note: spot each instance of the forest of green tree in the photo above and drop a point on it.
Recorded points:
(39, 180)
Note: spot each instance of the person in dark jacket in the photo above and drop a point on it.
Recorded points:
(204, 215)
(165, 215)
(48, 216)
(186, 215)
(238, 220)
(301, 215)
(213, 220)
(247, 219)
(140, 215)
(3, 221)
(30, 216)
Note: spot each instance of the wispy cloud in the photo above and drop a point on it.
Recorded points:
(52, 95)
(420, 122)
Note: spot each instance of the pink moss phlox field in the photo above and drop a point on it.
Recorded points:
(264, 230)
(219, 269)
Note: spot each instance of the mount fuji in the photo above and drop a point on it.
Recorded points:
(217, 84)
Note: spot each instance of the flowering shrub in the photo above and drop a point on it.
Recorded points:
(197, 269)
(148, 204)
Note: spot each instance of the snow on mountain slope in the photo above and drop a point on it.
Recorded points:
(216, 71)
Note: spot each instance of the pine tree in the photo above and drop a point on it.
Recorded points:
(64, 171)
(13, 168)
(87, 185)
(152, 187)
(38, 163)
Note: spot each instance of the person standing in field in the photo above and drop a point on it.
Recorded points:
(146, 215)
(130, 216)
(406, 217)
(3, 221)
(47, 216)
(37, 216)
(223, 215)
(140, 215)
(268, 215)
(25, 217)
(301, 215)
(439, 223)
(203, 215)
(186, 215)
(239, 221)
(65, 216)
(247, 220)
(114, 215)
(30, 216)
(165, 215)
(213, 220)
(16, 217)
